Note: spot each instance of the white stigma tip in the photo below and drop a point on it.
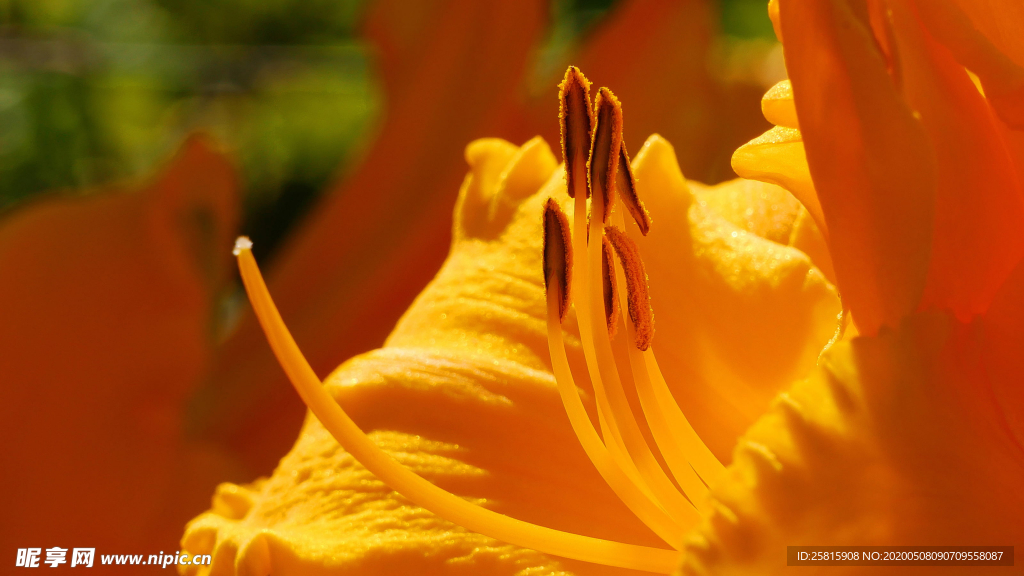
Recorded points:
(242, 243)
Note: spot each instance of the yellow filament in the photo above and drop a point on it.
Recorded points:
(699, 455)
(675, 457)
(412, 486)
(647, 511)
(609, 431)
(621, 414)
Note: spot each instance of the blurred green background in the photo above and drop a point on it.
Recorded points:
(95, 91)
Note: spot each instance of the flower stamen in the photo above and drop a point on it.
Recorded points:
(674, 448)
(625, 185)
(636, 499)
(638, 297)
(557, 256)
(611, 301)
(621, 432)
(690, 461)
(576, 121)
(603, 163)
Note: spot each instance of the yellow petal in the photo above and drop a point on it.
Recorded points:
(778, 157)
(491, 431)
(778, 107)
(807, 238)
(895, 440)
(767, 210)
(738, 316)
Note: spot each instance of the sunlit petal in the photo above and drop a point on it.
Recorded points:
(893, 441)
(739, 316)
(869, 157)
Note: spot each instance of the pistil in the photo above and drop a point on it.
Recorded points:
(408, 483)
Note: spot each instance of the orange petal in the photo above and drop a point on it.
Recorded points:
(868, 156)
(979, 204)
(1000, 21)
(106, 302)
(807, 238)
(894, 440)
(986, 38)
(773, 14)
(1004, 330)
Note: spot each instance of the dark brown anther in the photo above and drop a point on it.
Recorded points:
(638, 299)
(625, 184)
(611, 300)
(604, 149)
(576, 120)
(557, 255)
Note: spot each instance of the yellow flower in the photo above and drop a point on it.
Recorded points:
(911, 433)
(463, 395)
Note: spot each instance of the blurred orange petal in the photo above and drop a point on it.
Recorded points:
(1004, 328)
(894, 440)
(870, 160)
(979, 205)
(106, 303)
(984, 36)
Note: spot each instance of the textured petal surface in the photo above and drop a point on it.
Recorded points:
(738, 316)
(895, 440)
(762, 209)
(768, 211)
